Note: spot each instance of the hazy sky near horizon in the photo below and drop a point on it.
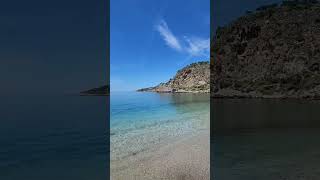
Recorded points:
(52, 46)
(152, 39)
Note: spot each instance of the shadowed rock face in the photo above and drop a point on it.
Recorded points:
(271, 53)
(193, 78)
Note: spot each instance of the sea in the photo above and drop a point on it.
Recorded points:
(140, 121)
(265, 139)
(54, 137)
(65, 136)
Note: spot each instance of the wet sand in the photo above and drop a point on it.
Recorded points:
(185, 159)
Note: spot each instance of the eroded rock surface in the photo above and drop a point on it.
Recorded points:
(193, 78)
(270, 53)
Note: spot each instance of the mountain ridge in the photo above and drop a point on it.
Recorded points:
(194, 78)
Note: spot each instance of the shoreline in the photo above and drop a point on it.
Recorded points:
(184, 158)
(266, 97)
(234, 94)
(176, 92)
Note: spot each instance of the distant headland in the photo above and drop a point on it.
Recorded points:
(100, 91)
(194, 78)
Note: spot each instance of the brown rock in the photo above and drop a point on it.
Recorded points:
(274, 52)
(192, 78)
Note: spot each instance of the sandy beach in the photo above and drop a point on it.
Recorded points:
(187, 158)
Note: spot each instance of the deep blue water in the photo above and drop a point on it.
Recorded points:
(53, 137)
(265, 139)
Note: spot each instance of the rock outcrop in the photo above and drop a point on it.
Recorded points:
(273, 52)
(193, 78)
(100, 91)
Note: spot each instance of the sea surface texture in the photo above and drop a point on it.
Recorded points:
(265, 139)
(53, 137)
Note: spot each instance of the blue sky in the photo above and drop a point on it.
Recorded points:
(151, 39)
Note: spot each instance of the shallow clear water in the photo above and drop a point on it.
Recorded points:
(53, 137)
(140, 120)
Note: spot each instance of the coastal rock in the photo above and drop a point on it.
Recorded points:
(271, 53)
(192, 78)
(100, 91)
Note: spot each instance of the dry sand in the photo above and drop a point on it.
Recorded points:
(185, 159)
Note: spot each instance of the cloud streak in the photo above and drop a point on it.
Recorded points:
(168, 36)
(198, 46)
(194, 46)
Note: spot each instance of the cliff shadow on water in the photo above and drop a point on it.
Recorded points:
(265, 139)
(258, 114)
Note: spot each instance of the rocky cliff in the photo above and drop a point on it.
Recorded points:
(273, 52)
(192, 78)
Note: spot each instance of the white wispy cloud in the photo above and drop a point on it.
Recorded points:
(168, 36)
(194, 46)
(198, 46)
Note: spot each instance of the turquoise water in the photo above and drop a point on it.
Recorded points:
(140, 120)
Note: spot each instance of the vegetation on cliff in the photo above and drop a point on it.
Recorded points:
(273, 52)
(192, 78)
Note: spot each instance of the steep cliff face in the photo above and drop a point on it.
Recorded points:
(271, 53)
(192, 78)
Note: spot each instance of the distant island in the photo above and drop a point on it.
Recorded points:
(273, 52)
(100, 91)
(194, 78)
